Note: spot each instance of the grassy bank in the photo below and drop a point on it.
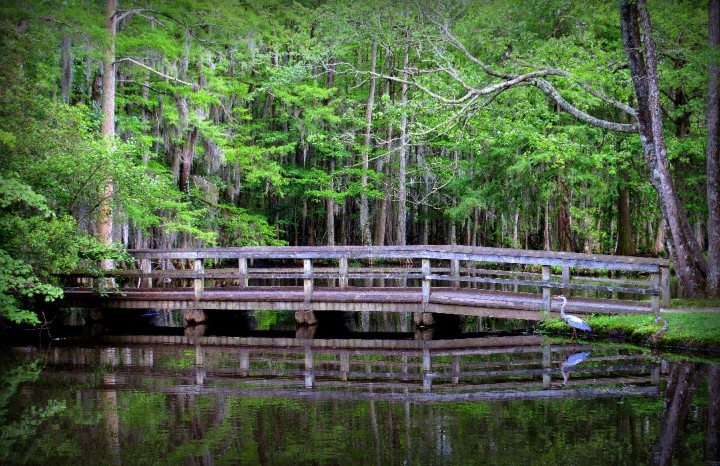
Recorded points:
(692, 330)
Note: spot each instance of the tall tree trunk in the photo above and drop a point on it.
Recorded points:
(546, 231)
(402, 167)
(565, 240)
(690, 265)
(365, 235)
(330, 201)
(105, 217)
(713, 154)
(66, 64)
(625, 245)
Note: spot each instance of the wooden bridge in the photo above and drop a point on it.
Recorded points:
(494, 282)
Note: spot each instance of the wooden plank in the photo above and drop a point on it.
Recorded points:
(343, 272)
(199, 283)
(566, 279)
(146, 268)
(243, 271)
(546, 290)
(664, 286)
(549, 284)
(308, 281)
(425, 281)
(655, 299)
(480, 254)
(455, 272)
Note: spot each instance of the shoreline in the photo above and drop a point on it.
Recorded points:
(689, 330)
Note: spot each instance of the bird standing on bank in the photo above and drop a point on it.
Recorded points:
(573, 321)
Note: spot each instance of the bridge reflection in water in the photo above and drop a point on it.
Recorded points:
(469, 369)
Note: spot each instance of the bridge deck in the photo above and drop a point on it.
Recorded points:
(442, 300)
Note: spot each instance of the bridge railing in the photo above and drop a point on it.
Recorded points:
(453, 266)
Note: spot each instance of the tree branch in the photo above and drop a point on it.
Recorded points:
(153, 70)
(550, 90)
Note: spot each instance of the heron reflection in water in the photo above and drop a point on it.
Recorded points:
(572, 360)
(573, 321)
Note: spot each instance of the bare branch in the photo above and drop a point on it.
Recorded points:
(153, 70)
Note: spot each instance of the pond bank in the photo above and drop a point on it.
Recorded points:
(696, 329)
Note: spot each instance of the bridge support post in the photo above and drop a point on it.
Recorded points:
(243, 271)
(546, 290)
(664, 286)
(655, 299)
(343, 269)
(307, 316)
(199, 269)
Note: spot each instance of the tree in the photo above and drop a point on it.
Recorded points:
(690, 265)
(713, 151)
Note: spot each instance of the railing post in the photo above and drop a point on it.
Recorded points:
(664, 286)
(425, 269)
(243, 271)
(343, 269)
(566, 278)
(655, 299)
(455, 272)
(308, 279)
(199, 268)
(146, 268)
(546, 290)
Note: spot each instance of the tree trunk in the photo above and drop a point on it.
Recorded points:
(565, 240)
(713, 154)
(690, 265)
(66, 64)
(546, 231)
(365, 235)
(402, 167)
(625, 245)
(330, 200)
(105, 217)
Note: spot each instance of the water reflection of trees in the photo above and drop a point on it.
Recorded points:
(683, 382)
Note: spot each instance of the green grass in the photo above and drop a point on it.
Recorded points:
(700, 330)
(695, 302)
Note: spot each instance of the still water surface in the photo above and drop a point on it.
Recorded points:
(273, 398)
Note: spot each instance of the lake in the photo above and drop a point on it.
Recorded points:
(493, 393)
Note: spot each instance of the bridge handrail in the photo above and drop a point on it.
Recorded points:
(465, 253)
(657, 288)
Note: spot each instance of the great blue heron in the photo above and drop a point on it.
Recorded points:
(573, 321)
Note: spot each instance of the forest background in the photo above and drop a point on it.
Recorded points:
(563, 125)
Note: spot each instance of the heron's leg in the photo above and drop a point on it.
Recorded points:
(574, 334)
